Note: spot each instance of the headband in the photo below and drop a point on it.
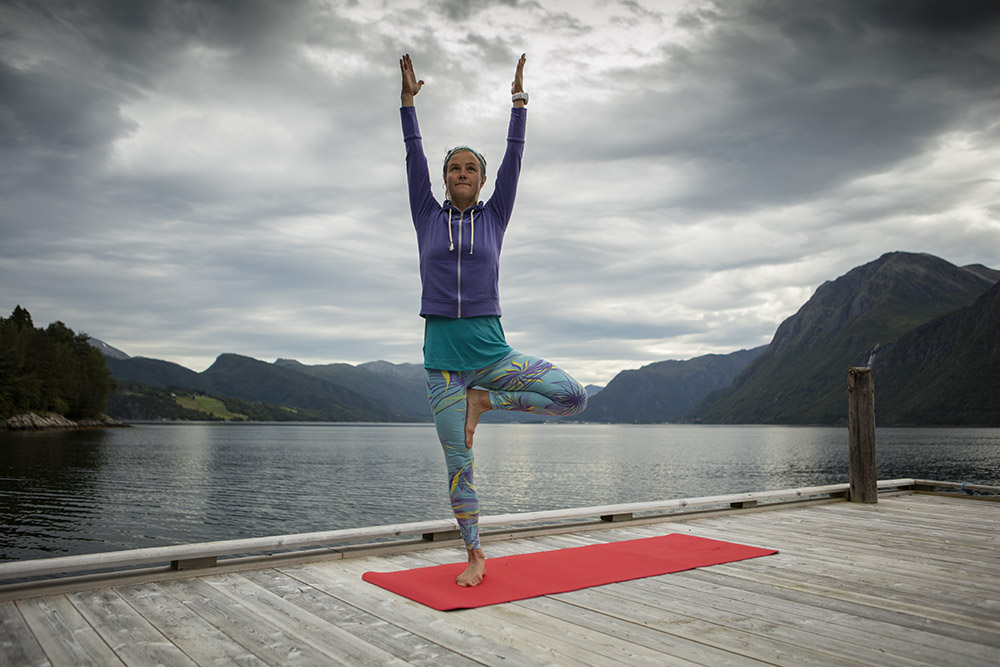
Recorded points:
(459, 149)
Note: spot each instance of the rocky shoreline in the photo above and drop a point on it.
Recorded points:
(30, 421)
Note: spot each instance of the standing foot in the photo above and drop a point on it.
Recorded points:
(477, 402)
(473, 575)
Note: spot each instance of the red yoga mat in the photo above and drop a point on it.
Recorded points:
(544, 573)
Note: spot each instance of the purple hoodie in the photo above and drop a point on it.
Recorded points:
(460, 272)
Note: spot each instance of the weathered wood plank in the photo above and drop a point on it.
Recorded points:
(129, 635)
(605, 622)
(935, 568)
(198, 638)
(304, 626)
(893, 639)
(662, 593)
(932, 519)
(249, 629)
(952, 576)
(878, 617)
(64, 634)
(413, 649)
(968, 628)
(18, 645)
(809, 571)
(950, 560)
(718, 635)
(342, 580)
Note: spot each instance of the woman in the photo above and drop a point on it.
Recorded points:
(470, 367)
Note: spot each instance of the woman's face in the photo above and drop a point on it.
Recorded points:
(464, 177)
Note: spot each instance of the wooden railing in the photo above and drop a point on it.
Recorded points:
(206, 554)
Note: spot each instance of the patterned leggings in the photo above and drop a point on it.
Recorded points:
(517, 382)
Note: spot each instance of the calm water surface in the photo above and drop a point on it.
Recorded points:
(156, 484)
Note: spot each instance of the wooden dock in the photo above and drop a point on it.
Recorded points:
(913, 579)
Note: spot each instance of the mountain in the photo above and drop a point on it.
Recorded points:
(666, 390)
(108, 351)
(991, 275)
(273, 384)
(944, 372)
(400, 389)
(927, 326)
(154, 373)
(801, 377)
(244, 377)
(387, 369)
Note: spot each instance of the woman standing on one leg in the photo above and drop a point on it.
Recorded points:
(470, 367)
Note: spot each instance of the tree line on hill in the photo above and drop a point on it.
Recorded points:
(51, 370)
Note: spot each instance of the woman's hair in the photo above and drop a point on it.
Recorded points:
(459, 149)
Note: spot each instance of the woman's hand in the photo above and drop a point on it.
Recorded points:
(517, 86)
(411, 86)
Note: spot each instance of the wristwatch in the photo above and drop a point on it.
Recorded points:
(519, 96)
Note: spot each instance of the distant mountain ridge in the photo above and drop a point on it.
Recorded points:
(928, 327)
(284, 383)
(666, 390)
(801, 377)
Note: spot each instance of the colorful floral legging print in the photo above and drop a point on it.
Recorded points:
(517, 382)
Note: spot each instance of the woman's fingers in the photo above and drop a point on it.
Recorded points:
(410, 83)
(517, 86)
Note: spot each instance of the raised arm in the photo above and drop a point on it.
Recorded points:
(411, 86)
(505, 190)
(418, 178)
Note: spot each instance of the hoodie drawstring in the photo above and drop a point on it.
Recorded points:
(472, 223)
(451, 244)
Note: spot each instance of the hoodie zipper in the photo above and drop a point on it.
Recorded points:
(460, 217)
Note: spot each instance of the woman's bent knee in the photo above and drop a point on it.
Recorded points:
(573, 401)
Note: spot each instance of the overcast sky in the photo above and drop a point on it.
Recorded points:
(186, 178)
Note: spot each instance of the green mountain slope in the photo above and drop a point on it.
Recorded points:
(154, 373)
(666, 390)
(944, 372)
(247, 378)
(401, 394)
(237, 377)
(801, 377)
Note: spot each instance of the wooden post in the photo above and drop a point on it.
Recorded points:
(861, 424)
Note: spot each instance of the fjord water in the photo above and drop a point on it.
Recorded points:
(69, 492)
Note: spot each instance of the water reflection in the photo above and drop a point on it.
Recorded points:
(77, 492)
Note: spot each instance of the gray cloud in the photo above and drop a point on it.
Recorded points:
(184, 179)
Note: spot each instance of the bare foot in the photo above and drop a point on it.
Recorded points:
(473, 575)
(477, 402)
